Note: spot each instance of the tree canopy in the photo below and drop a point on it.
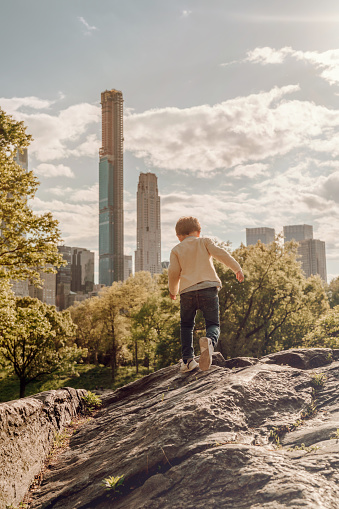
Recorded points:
(28, 241)
(35, 339)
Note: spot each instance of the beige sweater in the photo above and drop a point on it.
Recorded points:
(191, 263)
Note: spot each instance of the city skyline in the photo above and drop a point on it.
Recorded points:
(233, 106)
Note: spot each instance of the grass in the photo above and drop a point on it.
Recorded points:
(89, 377)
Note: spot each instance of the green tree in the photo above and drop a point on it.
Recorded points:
(325, 333)
(90, 333)
(256, 315)
(28, 241)
(36, 341)
(333, 292)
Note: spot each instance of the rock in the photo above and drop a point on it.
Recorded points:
(301, 358)
(27, 429)
(202, 440)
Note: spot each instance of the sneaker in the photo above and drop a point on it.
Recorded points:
(206, 350)
(191, 364)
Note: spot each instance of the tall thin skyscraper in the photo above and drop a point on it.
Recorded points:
(111, 215)
(148, 253)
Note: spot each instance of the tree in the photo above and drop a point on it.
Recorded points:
(333, 292)
(90, 331)
(28, 241)
(256, 314)
(325, 333)
(36, 341)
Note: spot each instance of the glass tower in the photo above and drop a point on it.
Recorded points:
(111, 215)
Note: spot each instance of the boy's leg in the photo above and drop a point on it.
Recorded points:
(187, 321)
(209, 305)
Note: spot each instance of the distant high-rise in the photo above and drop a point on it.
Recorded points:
(47, 293)
(265, 235)
(298, 232)
(64, 279)
(311, 251)
(21, 288)
(128, 266)
(148, 253)
(111, 217)
(82, 270)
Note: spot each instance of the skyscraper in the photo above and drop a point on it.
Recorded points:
(21, 288)
(265, 235)
(82, 269)
(111, 217)
(298, 232)
(312, 251)
(148, 253)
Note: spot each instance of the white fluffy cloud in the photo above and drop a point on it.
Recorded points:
(327, 61)
(240, 131)
(55, 134)
(51, 170)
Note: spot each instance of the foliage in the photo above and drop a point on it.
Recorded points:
(333, 292)
(35, 342)
(259, 316)
(28, 241)
(112, 483)
(318, 380)
(325, 333)
(92, 401)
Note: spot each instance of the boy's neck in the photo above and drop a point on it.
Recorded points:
(192, 234)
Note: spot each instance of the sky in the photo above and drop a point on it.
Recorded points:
(233, 104)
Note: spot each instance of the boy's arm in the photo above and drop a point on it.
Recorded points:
(224, 257)
(174, 271)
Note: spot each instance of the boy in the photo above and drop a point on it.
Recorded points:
(191, 273)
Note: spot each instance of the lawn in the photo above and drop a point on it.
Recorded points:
(88, 377)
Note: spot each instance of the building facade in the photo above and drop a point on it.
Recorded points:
(298, 232)
(265, 235)
(128, 266)
(312, 252)
(82, 269)
(20, 288)
(47, 293)
(64, 279)
(111, 218)
(148, 252)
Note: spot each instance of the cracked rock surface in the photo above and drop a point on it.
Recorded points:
(202, 439)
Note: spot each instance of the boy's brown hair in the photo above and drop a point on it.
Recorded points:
(187, 225)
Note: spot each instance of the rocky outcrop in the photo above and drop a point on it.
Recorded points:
(210, 439)
(27, 429)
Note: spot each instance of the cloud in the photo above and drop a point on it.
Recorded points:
(186, 13)
(240, 131)
(327, 61)
(51, 170)
(55, 133)
(90, 194)
(89, 28)
(11, 105)
(90, 147)
(267, 55)
(78, 222)
(250, 170)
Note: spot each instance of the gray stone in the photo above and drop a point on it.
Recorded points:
(202, 440)
(27, 429)
(301, 358)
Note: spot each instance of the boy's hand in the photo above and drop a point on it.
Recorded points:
(173, 297)
(240, 276)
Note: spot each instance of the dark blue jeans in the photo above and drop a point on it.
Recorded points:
(207, 301)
